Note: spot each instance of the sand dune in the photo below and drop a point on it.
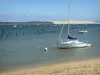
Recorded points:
(75, 22)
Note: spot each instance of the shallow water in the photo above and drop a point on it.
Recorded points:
(25, 45)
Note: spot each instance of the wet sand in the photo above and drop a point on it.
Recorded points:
(80, 67)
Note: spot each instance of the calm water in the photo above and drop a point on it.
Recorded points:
(24, 45)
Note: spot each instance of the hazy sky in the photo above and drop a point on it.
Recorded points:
(33, 10)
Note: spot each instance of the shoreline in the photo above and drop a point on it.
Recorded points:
(49, 22)
(62, 68)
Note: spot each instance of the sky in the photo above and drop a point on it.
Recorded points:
(49, 10)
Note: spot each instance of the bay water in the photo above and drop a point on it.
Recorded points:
(24, 44)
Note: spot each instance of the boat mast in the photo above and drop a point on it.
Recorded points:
(68, 17)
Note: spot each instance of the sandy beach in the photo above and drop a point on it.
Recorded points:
(80, 67)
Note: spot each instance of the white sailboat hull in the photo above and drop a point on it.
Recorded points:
(83, 31)
(72, 44)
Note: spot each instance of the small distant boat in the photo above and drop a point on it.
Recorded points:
(29, 25)
(82, 31)
(14, 25)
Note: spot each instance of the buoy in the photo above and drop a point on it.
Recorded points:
(45, 49)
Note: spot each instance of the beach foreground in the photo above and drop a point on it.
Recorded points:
(80, 67)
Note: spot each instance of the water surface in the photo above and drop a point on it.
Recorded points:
(24, 45)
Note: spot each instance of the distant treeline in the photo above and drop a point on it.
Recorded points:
(32, 22)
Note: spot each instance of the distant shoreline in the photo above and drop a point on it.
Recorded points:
(49, 22)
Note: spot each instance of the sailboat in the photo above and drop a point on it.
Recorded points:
(14, 25)
(83, 30)
(71, 42)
